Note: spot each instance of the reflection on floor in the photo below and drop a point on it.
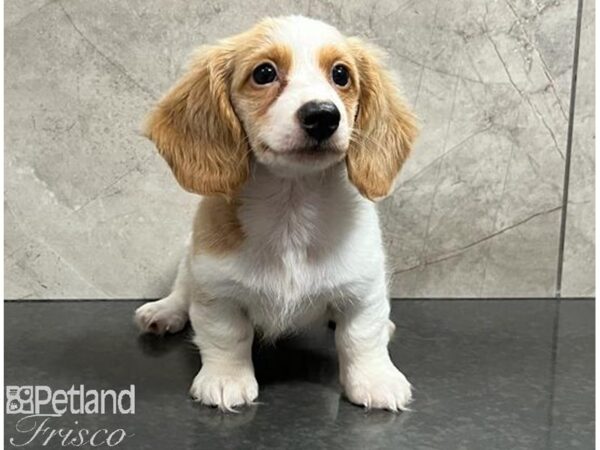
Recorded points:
(488, 374)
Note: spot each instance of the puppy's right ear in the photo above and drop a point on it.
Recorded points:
(196, 129)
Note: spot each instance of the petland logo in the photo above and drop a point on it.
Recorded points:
(42, 406)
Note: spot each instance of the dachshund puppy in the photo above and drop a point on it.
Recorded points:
(290, 132)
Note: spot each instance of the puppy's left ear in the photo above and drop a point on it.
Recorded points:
(385, 127)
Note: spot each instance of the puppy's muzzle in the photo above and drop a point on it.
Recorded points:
(319, 119)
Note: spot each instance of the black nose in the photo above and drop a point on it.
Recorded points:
(319, 119)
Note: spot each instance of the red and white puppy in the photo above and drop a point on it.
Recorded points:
(289, 131)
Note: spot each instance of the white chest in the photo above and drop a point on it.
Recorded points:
(306, 244)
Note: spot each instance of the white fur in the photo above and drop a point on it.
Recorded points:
(312, 252)
(306, 82)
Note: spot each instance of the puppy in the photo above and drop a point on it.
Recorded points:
(290, 131)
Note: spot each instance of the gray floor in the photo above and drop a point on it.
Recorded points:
(489, 374)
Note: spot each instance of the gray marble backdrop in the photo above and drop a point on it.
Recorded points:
(91, 211)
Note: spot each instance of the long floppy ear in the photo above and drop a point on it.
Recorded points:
(385, 128)
(196, 129)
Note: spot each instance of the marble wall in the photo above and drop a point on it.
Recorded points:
(579, 264)
(91, 211)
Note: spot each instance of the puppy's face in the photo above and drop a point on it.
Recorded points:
(296, 94)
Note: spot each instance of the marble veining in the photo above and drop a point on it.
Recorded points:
(91, 210)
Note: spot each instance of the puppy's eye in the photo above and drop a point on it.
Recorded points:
(264, 74)
(340, 75)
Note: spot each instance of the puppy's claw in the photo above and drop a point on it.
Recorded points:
(381, 388)
(224, 389)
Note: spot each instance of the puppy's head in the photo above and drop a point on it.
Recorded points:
(294, 93)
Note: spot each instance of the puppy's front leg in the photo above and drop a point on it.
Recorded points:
(224, 336)
(367, 373)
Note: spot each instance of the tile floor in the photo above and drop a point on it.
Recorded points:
(510, 374)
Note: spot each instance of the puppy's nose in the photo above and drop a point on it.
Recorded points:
(319, 119)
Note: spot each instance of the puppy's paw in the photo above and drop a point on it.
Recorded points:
(160, 317)
(225, 388)
(378, 387)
